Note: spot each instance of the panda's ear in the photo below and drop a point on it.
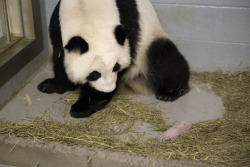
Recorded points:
(77, 43)
(120, 34)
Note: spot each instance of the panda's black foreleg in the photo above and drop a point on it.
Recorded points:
(60, 83)
(168, 71)
(89, 102)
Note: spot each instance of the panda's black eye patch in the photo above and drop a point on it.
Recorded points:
(77, 42)
(120, 34)
(116, 67)
(94, 76)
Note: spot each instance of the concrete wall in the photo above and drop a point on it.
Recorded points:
(1, 34)
(211, 34)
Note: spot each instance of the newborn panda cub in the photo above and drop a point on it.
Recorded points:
(121, 48)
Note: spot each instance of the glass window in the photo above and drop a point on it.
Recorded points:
(20, 36)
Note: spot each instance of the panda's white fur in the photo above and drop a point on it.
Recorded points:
(94, 21)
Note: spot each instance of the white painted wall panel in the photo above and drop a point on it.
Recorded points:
(210, 56)
(211, 34)
(50, 5)
(1, 33)
(206, 23)
(225, 3)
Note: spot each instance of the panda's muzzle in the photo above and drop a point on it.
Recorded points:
(105, 84)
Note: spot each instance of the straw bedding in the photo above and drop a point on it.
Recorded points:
(223, 141)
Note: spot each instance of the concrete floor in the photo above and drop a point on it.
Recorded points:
(2, 165)
(197, 105)
(29, 153)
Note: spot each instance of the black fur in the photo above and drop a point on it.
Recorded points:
(95, 75)
(60, 83)
(89, 102)
(77, 43)
(129, 18)
(117, 67)
(120, 34)
(168, 71)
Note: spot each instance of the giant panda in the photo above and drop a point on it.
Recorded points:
(110, 46)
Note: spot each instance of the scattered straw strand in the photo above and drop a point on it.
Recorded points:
(14, 146)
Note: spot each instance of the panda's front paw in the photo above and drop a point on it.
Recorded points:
(51, 86)
(85, 108)
(47, 86)
(80, 109)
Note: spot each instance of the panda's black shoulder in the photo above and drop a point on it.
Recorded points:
(55, 28)
(129, 18)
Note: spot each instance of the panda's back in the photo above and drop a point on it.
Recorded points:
(140, 18)
(87, 18)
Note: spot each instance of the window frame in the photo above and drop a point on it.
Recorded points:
(22, 52)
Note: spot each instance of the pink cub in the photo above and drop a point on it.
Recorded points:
(174, 131)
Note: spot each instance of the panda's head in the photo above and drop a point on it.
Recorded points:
(98, 58)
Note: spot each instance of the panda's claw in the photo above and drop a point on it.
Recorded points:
(163, 97)
(171, 95)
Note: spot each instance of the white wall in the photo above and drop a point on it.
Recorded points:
(1, 34)
(211, 34)
(50, 5)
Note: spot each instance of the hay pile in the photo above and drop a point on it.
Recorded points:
(224, 141)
